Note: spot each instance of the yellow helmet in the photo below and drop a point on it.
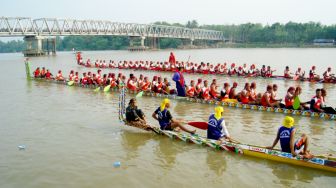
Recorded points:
(164, 103)
(288, 122)
(218, 112)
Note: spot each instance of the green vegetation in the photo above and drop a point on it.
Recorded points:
(290, 34)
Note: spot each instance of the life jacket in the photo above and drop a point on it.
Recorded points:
(145, 86)
(214, 128)
(244, 99)
(284, 136)
(36, 73)
(191, 91)
(131, 85)
(263, 101)
(198, 88)
(76, 78)
(224, 94)
(70, 77)
(48, 75)
(85, 80)
(213, 93)
(205, 93)
(268, 73)
(113, 82)
(162, 117)
(318, 102)
(289, 102)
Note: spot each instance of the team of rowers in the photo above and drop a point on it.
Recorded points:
(207, 68)
(217, 129)
(200, 89)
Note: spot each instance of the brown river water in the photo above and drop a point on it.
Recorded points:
(72, 136)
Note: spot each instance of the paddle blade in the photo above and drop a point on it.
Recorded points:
(200, 125)
(139, 94)
(107, 88)
(70, 83)
(97, 89)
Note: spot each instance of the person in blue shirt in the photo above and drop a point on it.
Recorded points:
(216, 126)
(180, 82)
(286, 135)
(166, 121)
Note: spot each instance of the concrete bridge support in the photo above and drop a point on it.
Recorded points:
(35, 46)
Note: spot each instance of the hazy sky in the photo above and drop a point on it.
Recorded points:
(204, 11)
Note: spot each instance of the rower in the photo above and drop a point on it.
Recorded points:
(266, 98)
(263, 71)
(299, 74)
(216, 126)
(274, 96)
(327, 109)
(316, 101)
(232, 93)
(43, 72)
(205, 91)
(298, 105)
(48, 75)
(135, 117)
(328, 76)
(312, 75)
(286, 135)
(269, 72)
(59, 76)
(245, 94)
(213, 90)
(37, 73)
(289, 98)
(287, 73)
(166, 121)
(191, 89)
(224, 94)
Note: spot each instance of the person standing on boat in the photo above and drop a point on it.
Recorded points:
(216, 126)
(172, 60)
(179, 80)
(135, 117)
(286, 135)
(166, 121)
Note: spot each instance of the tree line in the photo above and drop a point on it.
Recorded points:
(249, 33)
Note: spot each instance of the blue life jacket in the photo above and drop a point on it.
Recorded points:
(284, 135)
(214, 128)
(163, 118)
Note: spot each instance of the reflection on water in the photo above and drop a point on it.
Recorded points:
(216, 161)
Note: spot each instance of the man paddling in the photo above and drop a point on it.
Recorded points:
(166, 121)
(216, 126)
(286, 135)
(135, 117)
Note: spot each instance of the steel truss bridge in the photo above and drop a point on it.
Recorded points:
(44, 27)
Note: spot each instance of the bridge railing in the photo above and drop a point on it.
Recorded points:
(24, 26)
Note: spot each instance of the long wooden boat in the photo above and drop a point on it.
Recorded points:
(304, 113)
(320, 162)
(226, 75)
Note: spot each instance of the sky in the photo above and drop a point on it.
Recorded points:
(177, 11)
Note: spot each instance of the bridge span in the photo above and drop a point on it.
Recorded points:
(35, 31)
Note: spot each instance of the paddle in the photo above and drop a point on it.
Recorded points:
(139, 94)
(107, 88)
(70, 83)
(97, 89)
(199, 125)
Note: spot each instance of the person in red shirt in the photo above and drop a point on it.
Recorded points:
(191, 90)
(48, 75)
(37, 73)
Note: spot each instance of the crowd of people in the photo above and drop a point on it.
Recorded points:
(208, 68)
(201, 89)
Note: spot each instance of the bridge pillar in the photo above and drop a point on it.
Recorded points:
(143, 41)
(191, 42)
(34, 46)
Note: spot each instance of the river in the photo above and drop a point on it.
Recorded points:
(72, 136)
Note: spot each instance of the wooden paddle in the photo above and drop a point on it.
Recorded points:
(97, 89)
(139, 94)
(70, 83)
(107, 88)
